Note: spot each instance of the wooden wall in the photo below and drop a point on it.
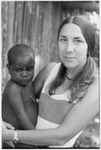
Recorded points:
(33, 23)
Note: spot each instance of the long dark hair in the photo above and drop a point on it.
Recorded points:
(80, 83)
(85, 77)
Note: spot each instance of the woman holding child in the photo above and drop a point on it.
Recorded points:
(67, 91)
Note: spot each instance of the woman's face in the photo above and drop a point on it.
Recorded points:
(72, 46)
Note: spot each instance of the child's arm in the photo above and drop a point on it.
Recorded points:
(16, 102)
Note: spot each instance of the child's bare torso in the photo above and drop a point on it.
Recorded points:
(30, 105)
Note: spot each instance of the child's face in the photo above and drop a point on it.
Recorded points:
(22, 70)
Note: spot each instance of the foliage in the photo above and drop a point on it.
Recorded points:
(90, 136)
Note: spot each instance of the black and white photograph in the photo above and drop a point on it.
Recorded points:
(50, 82)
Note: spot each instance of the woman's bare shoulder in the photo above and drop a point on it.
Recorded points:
(44, 73)
(41, 77)
(94, 87)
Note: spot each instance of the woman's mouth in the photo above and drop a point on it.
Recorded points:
(68, 58)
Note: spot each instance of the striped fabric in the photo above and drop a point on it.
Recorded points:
(52, 109)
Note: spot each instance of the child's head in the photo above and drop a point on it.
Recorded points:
(21, 64)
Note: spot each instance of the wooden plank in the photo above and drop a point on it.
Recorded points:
(11, 9)
(5, 45)
(18, 22)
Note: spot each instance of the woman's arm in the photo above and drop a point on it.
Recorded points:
(76, 120)
(40, 79)
(5, 139)
(8, 125)
(7, 135)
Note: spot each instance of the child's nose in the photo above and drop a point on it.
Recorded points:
(24, 73)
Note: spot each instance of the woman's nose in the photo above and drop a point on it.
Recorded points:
(70, 47)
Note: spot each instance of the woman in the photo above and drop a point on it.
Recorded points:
(67, 91)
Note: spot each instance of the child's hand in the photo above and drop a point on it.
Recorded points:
(8, 125)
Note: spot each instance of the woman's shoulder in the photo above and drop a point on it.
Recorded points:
(50, 65)
(96, 76)
(42, 76)
(93, 90)
(44, 73)
(96, 69)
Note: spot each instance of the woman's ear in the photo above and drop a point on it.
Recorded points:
(88, 54)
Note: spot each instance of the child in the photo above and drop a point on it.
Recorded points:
(19, 107)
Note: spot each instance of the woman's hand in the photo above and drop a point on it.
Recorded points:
(8, 125)
(7, 134)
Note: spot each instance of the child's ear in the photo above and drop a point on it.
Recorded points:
(8, 66)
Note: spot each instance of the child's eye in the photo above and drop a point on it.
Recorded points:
(18, 69)
(30, 68)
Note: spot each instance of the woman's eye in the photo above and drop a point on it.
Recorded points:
(78, 41)
(62, 40)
